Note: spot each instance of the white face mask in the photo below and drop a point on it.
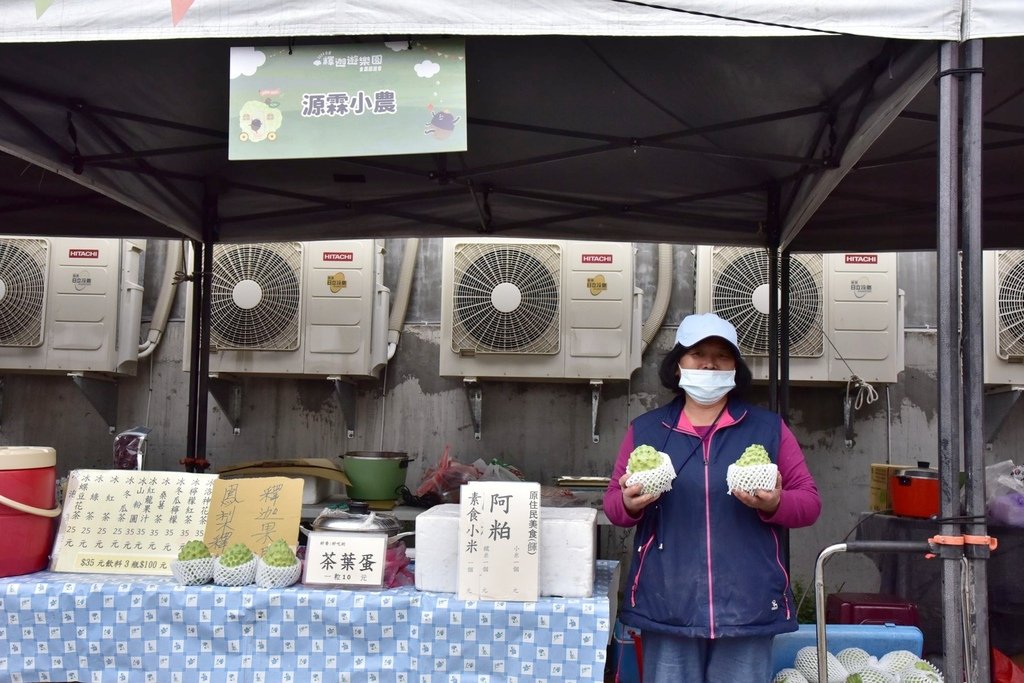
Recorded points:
(706, 387)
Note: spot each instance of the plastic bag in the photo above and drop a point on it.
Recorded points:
(1006, 509)
(1004, 483)
(495, 471)
(396, 567)
(1004, 670)
(130, 448)
(445, 480)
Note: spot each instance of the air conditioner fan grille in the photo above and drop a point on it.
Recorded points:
(23, 265)
(506, 299)
(741, 275)
(255, 296)
(1010, 304)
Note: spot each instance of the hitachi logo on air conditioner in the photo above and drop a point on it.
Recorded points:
(596, 258)
(338, 256)
(83, 253)
(867, 259)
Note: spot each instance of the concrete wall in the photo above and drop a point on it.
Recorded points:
(542, 428)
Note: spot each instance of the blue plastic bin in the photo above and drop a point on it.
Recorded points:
(875, 639)
(623, 660)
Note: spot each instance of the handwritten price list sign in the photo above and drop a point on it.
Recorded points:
(125, 522)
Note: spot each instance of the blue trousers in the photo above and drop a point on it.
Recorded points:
(671, 659)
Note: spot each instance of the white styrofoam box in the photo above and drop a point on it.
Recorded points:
(567, 550)
(314, 489)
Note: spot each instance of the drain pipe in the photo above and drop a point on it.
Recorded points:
(162, 308)
(661, 297)
(401, 301)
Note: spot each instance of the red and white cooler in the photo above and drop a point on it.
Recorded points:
(28, 506)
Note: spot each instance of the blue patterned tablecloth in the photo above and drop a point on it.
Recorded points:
(128, 629)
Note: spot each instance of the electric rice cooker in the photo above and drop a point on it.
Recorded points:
(914, 491)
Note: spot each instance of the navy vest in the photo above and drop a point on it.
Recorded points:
(704, 564)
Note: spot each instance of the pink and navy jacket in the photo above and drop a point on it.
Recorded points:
(705, 565)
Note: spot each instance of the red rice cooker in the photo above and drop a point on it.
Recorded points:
(914, 492)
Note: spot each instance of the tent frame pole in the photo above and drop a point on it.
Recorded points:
(193, 358)
(978, 664)
(773, 224)
(948, 357)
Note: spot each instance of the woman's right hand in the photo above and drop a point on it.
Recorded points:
(633, 497)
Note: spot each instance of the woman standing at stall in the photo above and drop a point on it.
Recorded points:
(707, 584)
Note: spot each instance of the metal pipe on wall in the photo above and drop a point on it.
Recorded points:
(162, 308)
(662, 295)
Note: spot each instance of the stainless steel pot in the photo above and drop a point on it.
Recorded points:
(359, 518)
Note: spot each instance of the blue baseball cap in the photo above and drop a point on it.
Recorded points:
(700, 326)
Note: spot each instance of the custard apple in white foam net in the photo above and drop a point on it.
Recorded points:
(909, 667)
(898, 660)
(650, 468)
(920, 676)
(789, 676)
(753, 470)
(872, 674)
(806, 662)
(854, 659)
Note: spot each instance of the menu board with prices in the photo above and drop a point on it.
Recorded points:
(119, 522)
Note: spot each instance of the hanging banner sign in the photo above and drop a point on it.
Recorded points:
(366, 99)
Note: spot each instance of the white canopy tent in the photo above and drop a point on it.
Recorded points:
(69, 20)
(809, 125)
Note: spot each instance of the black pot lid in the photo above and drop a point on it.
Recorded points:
(919, 473)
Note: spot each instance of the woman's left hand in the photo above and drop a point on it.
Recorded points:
(761, 499)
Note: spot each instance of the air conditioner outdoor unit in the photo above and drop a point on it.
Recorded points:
(539, 310)
(1003, 294)
(846, 313)
(313, 309)
(70, 305)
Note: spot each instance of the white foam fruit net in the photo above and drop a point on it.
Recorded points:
(898, 660)
(750, 477)
(855, 659)
(873, 674)
(908, 667)
(921, 676)
(192, 572)
(655, 481)
(806, 663)
(789, 676)
(268, 576)
(242, 575)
